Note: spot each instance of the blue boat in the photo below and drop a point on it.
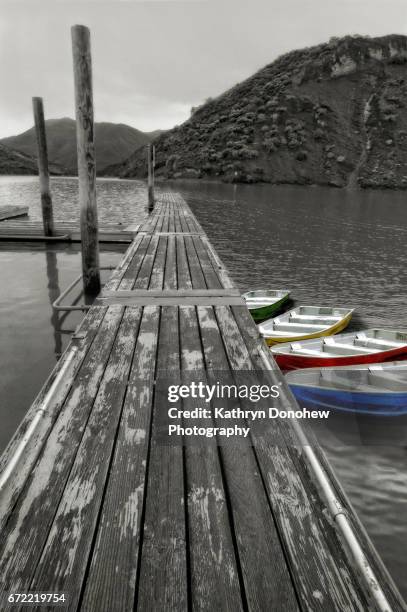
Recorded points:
(377, 389)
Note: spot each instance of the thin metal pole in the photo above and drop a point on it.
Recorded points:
(82, 64)
(43, 171)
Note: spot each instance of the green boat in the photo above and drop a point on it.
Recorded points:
(264, 303)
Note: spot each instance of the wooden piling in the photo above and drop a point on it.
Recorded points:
(82, 63)
(43, 171)
(150, 177)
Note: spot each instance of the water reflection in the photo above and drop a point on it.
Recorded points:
(53, 294)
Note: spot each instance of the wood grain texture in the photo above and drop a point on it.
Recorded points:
(43, 171)
(265, 573)
(64, 557)
(211, 527)
(163, 581)
(215, 581)
(111, 581)
(14, 487)
(82, 64)
(27, 529)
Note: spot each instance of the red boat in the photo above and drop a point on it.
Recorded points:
(362, 347)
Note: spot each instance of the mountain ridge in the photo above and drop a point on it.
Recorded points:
(332, 114)
(113, 142)
(14, 162)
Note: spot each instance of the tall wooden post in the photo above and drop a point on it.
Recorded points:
(82, 65)
(150, 179)
(43, 171)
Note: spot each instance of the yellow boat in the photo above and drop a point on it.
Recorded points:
(305, 322)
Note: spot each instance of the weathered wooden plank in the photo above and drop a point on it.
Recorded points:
(265, 573)
(162, 583)
(144, 272)
(117, 276)
(209, 268)
(170, 276)
(198, 300)
(134, 266)
(177, 221)
(165, 224)
(65, 555)
(183, 272)
(194, 264)
(111, 581)
(23, 537)
(157, 272)
(217, 263)
(14, 486)
(215, 292)
(171, 222)
(211, 532)
(214, 573)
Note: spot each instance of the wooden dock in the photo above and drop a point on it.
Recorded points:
(10, 212)
(95, 506)
(24, 230)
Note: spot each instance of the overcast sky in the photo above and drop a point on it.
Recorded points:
(153, 60)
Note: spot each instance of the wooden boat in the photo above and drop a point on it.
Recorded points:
(264, 303)
(379, 389)
(304, 322)
(368, 346)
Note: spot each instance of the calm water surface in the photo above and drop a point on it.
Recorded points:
(118, 201)
(328, 246)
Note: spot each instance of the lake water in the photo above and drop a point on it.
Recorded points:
(330, 247)
(118, 201)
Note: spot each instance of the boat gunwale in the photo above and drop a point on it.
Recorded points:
(287, 349)
(271, 338)
(367, 368)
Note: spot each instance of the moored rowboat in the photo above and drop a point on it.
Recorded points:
(304, 322)
(368, 346)
(379, 389)
(264, 303)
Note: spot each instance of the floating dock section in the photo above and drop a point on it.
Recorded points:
(94, 505)
(24, 230)
(10, 212)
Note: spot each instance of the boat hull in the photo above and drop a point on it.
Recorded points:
(329, 331)
(266, 312)
(295, 362)
(379, 404)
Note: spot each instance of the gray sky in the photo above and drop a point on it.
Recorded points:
(153, 60)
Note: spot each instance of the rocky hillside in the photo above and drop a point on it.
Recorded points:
(113, 142)
(14, 162)
(334, 114)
